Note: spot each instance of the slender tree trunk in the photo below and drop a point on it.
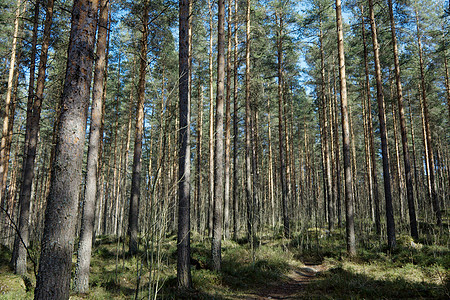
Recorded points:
(53, 280)
(383, 133)
(270, 169)
(416, 176)
(336, 147)
(447, 79)
(332, 152)
(133, 216)
(211, 125)
(81, 282)
(284, 194)
(350, 227)
(431, 165)
(248, 173)
(324, 138)
(374, 178)
(218, 151)
(183, 262)
(326, 195)
(116, 172)
(401, 112)
(19, 256)
(235, 127)
(400, 182)
(369, 182)
(30, 152)
(198, 174)
(4, 156)
(256, 209)
(226, 209)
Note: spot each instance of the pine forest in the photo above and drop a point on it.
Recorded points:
(224, 149)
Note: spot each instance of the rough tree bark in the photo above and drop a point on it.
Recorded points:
(53, 278)
(184, 173)
(218, 151)
(81, 282)
(248, 175)
(431, 165)
(18, 258)
(235, 127)
(383, 133)
(4, 156)
(350, 227)
(284, 194)
(226, 208)
(211, 125)
(374, 178)
(133, 214)
(401, 113)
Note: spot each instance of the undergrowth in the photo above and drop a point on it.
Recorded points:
(413, 271)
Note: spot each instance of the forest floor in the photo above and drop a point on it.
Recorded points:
(291, 286)
(304, 267)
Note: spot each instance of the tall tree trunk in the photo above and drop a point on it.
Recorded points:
(4, 156)
(235, 127)
(53, 280)
(248, 179)
(333, 151)
(400, 181)
(226, 209)
(184, 173)
(416, 176)
(374, 178)
(383, 133)
(81, 282)
(336, 147)
(324, 138)
(211, 125)
(447, 79)
(21, 239)
(116, 173)
(369, 182)
(350, 227)
(270, 169)
(218, 151)
(431, 165)
(133, 214)
(30, 152)
(198, 187)
(284, 194)
(256, 211)
(401, 112)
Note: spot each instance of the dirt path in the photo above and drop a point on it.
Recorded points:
(291, 287)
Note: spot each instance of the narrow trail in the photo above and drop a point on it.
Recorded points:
(291, 287)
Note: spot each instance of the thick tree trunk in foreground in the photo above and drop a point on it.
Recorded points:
(350, 227)
(138, 135)
(383, 133)
(184, 173)
(61, 213)
(81, 282)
